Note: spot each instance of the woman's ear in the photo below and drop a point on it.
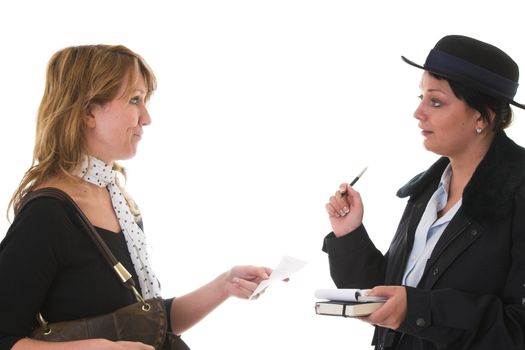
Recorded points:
(482, 122)
(90, 116)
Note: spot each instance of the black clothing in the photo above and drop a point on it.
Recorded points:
(472, 294)
(48, 264)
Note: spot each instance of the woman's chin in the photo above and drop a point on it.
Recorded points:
(429, 146)
(128, 155)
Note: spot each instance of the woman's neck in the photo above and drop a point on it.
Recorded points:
(465, 164)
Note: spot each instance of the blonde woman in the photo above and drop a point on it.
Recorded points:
(92, 114)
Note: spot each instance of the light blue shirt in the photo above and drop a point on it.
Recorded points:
(429, 230)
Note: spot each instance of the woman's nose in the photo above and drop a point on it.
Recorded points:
(145, 118)
(418, 113)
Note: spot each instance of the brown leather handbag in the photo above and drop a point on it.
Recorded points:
(144, 321)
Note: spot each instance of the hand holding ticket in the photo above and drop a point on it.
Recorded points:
(286, 267)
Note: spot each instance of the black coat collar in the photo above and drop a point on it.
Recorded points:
(490, 191)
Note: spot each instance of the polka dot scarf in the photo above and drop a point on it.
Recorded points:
(98, 173)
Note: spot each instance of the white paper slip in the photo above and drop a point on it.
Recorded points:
(286, 268)
(344, 294)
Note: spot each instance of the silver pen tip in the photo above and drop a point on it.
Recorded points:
(362, 171)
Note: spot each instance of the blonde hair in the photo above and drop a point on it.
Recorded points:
(77, 77)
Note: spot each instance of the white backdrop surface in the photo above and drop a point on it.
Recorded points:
(262, 109)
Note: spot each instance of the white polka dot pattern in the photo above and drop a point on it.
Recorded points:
(98, 173)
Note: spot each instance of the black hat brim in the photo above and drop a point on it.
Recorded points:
(461, 80)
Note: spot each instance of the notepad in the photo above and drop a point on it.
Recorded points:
(345, 294)
(347, 302)
(346, 308)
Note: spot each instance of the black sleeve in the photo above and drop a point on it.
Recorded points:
(167, 306)
(354, 260)
(29, 257)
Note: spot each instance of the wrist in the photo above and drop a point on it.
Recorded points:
(348, 229)
(224, 280)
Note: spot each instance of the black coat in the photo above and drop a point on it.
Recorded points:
(472, 293)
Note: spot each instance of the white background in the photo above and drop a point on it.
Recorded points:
(262, 109)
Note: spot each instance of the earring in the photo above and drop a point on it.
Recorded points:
(479, 130)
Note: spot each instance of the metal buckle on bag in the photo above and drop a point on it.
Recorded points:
(145, 306)
(43, 323)
(125, 276)
(122, 272)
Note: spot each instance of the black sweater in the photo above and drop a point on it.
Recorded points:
(48, 264)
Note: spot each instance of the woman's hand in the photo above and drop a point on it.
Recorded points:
(241, 281)
(345, 210)
(393, 312)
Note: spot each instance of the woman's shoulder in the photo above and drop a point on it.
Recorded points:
(42, 216)
(45, 207)
(43, 224)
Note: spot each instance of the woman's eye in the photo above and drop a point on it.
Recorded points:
(135, 100)
(420, 97)
(435, 103)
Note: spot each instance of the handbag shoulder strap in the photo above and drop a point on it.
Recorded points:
(123, 275)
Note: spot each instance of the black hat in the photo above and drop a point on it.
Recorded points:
(475, 64)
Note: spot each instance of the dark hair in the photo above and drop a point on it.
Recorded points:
(483, 103)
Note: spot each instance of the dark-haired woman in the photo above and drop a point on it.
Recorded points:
(455, 270)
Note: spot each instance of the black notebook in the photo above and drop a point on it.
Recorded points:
(346, 308)
(346, 302)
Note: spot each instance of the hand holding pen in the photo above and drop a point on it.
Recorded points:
(345, 208)
(343, 191)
